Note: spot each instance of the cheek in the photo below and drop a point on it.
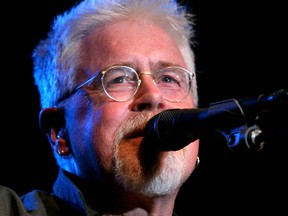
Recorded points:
(192, 151)
(107, 121)
(94, 133)
(189, 101)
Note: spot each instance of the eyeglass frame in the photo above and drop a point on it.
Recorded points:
(102, 73)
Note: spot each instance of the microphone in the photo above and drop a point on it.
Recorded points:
(173, 129)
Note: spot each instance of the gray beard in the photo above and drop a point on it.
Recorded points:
(150, 173)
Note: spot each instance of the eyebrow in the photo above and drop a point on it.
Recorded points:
(128, 64)
(167, 64)
(159, 64)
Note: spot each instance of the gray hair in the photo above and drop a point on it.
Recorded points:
(58, 58)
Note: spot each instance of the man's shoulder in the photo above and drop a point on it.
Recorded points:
(11, 203)
(35, 202)
(41, 202)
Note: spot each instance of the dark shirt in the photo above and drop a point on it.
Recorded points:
(10, 203)
(65, 200)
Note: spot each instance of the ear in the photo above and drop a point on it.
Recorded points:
(51, 121)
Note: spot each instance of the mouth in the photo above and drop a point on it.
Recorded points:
(136, 133)
(135, 129)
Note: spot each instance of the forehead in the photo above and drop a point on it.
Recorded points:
(135, 41)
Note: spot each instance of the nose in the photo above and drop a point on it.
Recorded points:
(148, 97)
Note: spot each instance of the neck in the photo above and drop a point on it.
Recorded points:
(109, 199)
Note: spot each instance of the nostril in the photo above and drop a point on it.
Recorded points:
(148, 107)
(143, 106)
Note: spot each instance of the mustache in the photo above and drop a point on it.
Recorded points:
(134, 126)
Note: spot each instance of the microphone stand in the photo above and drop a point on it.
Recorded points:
(268, 124)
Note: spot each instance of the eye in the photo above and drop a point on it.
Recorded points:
(119, 79)
(168, 78)
(123, 79)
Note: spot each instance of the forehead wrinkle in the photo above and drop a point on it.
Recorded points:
(102, 51)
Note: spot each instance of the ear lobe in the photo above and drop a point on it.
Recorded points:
(52, 123)
(51, 117)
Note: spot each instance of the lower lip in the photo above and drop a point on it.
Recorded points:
(136, 140)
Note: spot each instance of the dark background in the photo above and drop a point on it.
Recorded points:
(241, 51)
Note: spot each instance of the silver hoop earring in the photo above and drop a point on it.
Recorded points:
(197, 162)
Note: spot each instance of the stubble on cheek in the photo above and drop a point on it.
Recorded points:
(134, 163)
(128, 165)
(140, 167)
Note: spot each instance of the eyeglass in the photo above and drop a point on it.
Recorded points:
(120, 83)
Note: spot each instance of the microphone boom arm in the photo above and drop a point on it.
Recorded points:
(236, 120)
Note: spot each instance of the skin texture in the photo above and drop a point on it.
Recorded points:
(104, 138)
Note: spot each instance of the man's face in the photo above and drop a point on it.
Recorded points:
(106, 136)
